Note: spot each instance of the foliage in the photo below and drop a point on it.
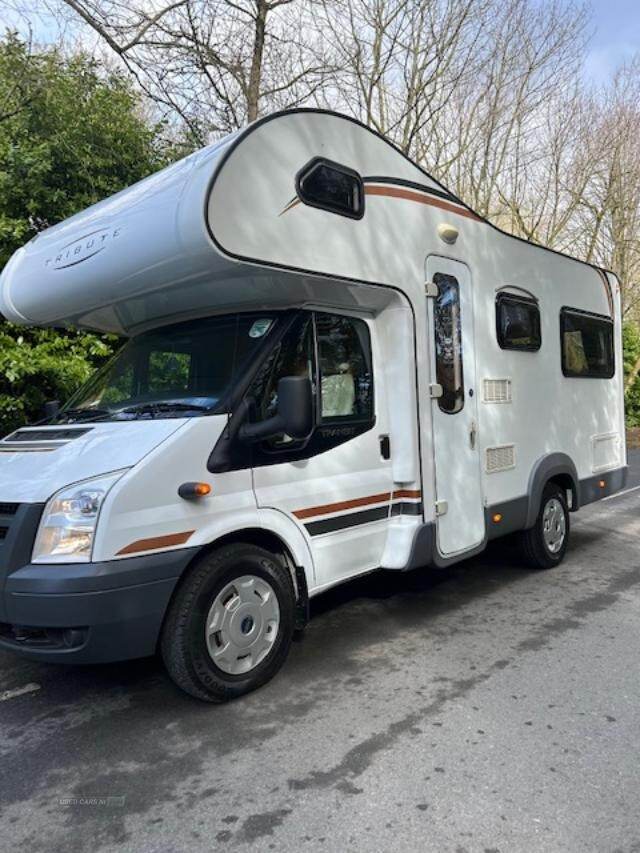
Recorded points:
(43, 364)
(71, 133)
(631, 343)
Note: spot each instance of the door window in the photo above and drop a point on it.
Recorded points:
(335, 353)
(448, 343)
(344, 352)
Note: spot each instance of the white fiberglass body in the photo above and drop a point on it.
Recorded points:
(225, 231)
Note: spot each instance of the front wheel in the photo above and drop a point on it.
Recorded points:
(229, 627)
(545, 544)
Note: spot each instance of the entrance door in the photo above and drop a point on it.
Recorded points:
(460, 510)
(336, 485)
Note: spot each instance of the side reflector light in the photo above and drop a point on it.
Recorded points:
(189, 491)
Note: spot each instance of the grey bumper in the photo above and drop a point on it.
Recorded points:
(91, 612)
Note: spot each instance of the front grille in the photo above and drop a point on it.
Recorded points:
(3, 533)
(8, 509)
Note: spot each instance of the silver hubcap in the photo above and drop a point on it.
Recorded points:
(242, 624)
(554, 525)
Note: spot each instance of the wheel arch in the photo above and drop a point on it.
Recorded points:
(553, 468)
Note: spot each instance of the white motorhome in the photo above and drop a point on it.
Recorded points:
(333, 366)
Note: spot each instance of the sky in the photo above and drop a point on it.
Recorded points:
(616, 36)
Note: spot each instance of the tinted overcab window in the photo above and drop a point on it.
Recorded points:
(331, 187)
(518, 322)
(587, 344)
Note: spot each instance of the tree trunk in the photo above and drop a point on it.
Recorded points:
(631, 378)
(255, 75)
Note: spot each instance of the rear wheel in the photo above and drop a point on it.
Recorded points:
(230, 624)
(545, 544)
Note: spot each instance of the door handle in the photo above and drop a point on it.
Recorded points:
(385, 447)
(473, 432)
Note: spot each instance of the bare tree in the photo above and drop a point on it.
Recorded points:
(217, 64)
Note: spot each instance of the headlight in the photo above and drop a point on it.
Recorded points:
(69, 521)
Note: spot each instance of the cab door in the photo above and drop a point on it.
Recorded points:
(459, 501)
(336, 486)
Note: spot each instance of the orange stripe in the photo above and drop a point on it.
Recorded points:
(327, 508)
(156, 542)
(407, 493)
(293, 203)
(396, 192)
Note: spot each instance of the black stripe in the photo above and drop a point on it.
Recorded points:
(400, 182)
(342, 522)
(406, 508)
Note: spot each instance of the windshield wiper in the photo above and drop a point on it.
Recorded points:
(84, 414)
(157, 408)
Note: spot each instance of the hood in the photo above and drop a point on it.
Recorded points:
(35, 462)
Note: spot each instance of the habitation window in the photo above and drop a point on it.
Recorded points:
(448, 341)
(332, 187)
(518, 322)
(587, 344)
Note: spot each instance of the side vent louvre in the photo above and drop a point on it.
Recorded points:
(47, 434)
(605, 451)
(500, 458)
(497, 391)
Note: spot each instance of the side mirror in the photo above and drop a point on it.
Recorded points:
(294, 416)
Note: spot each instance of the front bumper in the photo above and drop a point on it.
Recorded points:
(89, 612)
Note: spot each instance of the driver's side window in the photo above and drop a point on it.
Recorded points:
(342, 381)
(294, 356)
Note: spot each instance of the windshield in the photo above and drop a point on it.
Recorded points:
(178, 371)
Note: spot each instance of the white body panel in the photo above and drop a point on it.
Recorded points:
(455, 446)
(223, 231)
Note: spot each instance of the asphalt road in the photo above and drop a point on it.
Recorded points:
(485, 708)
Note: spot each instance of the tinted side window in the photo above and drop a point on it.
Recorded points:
(448, 341)
(293, 356)
(342, 381)
(344, 353)
(331, 187)
(587, 344)
(518, 323)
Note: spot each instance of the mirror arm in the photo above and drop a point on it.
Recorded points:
(263, 429)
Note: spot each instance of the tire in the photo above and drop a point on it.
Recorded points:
(247, 594)
(545, 549)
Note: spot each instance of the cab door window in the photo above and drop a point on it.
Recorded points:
(334, 352)
(344, 354)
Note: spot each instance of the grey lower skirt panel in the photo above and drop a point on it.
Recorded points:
(508, 517)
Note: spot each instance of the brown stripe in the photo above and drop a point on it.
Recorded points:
(397, 192)
(156, 542)
(293, 203)
(407, 493)
(337, 507)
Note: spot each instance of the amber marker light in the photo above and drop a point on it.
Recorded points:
(602, 483)
(496, 517)
(190, 491)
